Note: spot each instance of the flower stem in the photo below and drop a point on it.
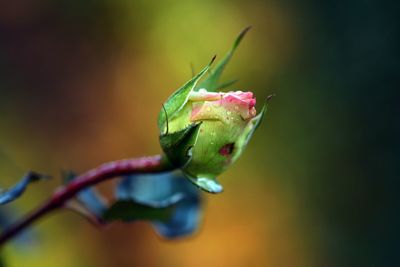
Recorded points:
(101, 173)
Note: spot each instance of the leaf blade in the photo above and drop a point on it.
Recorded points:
(248, 132)
(18, 189)
(179, 98)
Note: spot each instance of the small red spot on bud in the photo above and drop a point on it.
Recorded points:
(227, 149)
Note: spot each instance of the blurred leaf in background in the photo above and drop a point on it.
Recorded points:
(14, 192)
(169, 200)
(25, 240)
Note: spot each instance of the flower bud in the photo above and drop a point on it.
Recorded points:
(223, 123)
(204, 132)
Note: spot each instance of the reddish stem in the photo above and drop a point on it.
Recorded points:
(101, 173)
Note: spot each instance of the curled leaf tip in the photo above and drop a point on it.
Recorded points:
(270, 97)
(244, 31)
(213, 59)
(16, 191)
(241, 35)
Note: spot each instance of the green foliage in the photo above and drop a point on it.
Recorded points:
(177, 145)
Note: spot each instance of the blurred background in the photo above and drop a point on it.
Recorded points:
(82, 82)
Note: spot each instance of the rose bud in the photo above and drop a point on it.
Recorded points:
(203, 132)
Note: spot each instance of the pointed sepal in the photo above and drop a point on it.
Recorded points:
(211, 82)
(177, 145)
(178, 100)
(248, 132)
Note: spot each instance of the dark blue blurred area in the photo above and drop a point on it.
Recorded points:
(163, 191)
(89, 199)
(18, 189)
(348, 102)
(24, 241)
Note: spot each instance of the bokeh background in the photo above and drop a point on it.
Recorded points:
(82, 82)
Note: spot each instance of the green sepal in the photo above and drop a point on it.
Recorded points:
(210, 83)
(177, 145)
(248, 132)
(210, 185)
(129, 210)
(179, 99)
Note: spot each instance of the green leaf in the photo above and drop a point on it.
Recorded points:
(18, 189)
(210, 83)
(130, 210)
(178, 99)
(177, 145)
